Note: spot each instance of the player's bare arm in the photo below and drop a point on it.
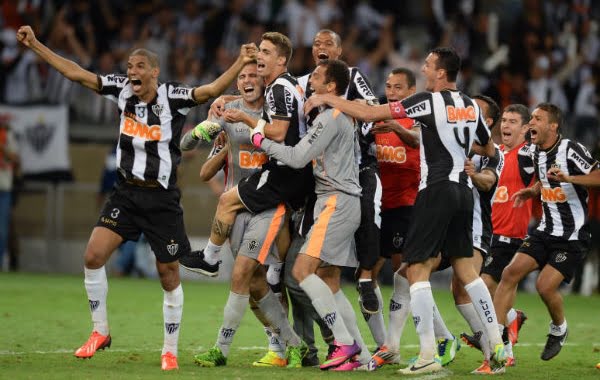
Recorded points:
(410, 137)
(590, 180)
(483, 180)
(275, 131)
(488, 149)
(212, 166)
(216, 88)
(523, 195)
(66, 67)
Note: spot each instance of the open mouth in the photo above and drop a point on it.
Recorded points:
(260, 65)
(323, 56)
(136, 84)
(533, 133)
(248, 89)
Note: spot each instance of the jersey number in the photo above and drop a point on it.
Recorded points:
(466, 144)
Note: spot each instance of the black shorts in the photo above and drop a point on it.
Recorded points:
(131, 210)
(563, 255)
(502, 251)
(442, 222)
(275, 184)
(367, 235)
(394, 226)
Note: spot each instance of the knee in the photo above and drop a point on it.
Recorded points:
(299, 273)
(511, 275)
(94, 257)
(544, 289)
(169, 276)
(228, 199)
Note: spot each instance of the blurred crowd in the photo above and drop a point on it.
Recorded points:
(515, 51)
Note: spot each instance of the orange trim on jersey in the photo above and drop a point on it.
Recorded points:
(336, 113)
(274, 228)
(319, 230)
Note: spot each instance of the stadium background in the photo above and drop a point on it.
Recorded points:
(514, 51)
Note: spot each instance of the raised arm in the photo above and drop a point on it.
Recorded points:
(66, 67)
(357, 110)
(216, 88)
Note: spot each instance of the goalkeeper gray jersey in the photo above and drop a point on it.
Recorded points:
(243, 159)
(331, 145)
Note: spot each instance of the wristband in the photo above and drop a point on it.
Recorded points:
(397, 110)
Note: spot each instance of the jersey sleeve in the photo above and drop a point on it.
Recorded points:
(482, 132)
(419, 107)
(360, 87)
(310, 146)
(579, 159)
(282, 102)
(496, 163)
(111, 85)
(526, 166)
(181, 98)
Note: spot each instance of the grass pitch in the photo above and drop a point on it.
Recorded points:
(44, 318)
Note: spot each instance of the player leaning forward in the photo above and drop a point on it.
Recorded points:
(330, 144)
(146, 197)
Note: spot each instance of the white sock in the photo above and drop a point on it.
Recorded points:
(399, 310)
(349, 316)
(275, 344)
(172, 311)
(277, 318)
(325, 305)
(421, 304)
(511, 316)
(96, 286)
(211, 252)
(470, 315)
(482, 301)
(375, 321)
(439, 327)
(558, 330)
(232, 316)
(274, 273)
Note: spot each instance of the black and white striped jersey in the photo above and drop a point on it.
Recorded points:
(148, 147)
(564, 205)
(451, 122)
(358, 88)
(284, 100)
(482, 200)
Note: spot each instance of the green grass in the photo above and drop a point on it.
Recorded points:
(43, 318)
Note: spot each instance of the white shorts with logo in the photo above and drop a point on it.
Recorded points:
(254, 235)
(337, 216)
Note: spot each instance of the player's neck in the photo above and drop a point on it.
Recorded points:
(444, 86)
(274, 75)
(255, 105)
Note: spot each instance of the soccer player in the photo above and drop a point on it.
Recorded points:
(253, 236)
(509, 224)
(397, 144)
(331, 145)
(146, 197)
(275, 183)
(484, 173)
(563, 169)
(452, 127)
(328, 45)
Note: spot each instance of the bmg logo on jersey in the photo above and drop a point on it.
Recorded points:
(135, 128)
(395, 154)
(553, 195)
(501, 195)
(455, 114)
(252, 160)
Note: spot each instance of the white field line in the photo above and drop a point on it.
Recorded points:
(243, 348)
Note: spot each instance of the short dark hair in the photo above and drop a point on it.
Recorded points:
(410, 76)
(493, 111)
(281, 42)
(555, 115)
(337, 72)
(151, 56)
(336, 37)
(448, 60)
(521, 109)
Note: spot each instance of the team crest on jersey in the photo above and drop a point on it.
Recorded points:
(560, 257)
(173, 248)
(140, 111)
(157, 109)
(171, 327)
